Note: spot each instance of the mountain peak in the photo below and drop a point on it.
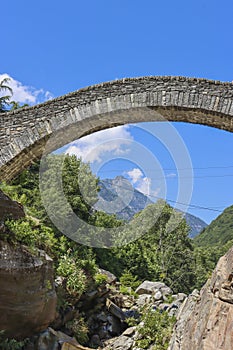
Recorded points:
(118, 196)
(120, 178)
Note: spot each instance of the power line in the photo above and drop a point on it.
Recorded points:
(191, 206)
(175, 177)
(175, 169)
(193, 177)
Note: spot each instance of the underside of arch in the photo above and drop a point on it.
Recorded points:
(80, 128)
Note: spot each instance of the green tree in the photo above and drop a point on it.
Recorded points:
(219, 232)
(5, 99)
(164, 253)
(16, 105)
(161, 249)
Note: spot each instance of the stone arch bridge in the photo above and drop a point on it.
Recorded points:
(24, 132)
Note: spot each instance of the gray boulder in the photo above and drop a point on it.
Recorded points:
(144, 299)
(121, 343)
(149, 287)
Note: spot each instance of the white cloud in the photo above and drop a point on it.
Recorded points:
(142, 183)
(94, 147)
(25, 94)
(135, 175)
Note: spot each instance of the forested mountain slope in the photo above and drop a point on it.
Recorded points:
(119, 196)
(219, 232)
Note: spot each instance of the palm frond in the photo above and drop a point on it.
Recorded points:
(4, 87)
(5, 99)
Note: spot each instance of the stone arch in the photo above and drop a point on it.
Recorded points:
(24, 132)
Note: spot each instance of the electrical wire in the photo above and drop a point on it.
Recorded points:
(191, 206)
(175, 169)
(190, 177)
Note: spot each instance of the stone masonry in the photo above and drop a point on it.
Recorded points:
(25, 132)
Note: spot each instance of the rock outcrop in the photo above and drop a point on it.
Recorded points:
(205, 321)
(152, 295)
(106, 317)
(51, 339)
(9, 208)
(27, 294)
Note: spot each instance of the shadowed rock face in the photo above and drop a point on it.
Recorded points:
(27, 295)
(206, 322)
(9, 208)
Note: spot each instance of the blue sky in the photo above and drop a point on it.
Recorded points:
(50, 48)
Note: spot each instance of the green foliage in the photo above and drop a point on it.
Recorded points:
(219, 232)
(127, 279)
(100, 279)
(206, 259)
(156, 330)
(79, 329)
(129, 283)
(81, 190)
(76, 280)
(25, 189)
(29, 233)
(169, 299)
(132, 321)
(80, 187)
(125, 290)
(164, 253)
(74, 262)
(4, 100)
(78, 184)
(16, 105)
(11, 344)
(212, 243)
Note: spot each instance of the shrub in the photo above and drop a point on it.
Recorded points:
(76, 280)
(156, 329)
(79, 328)
(129, 283)
(100, 278)
(34, 236)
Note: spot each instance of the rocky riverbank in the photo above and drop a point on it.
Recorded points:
(107, 314)
(104, 315)
(204, 320)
